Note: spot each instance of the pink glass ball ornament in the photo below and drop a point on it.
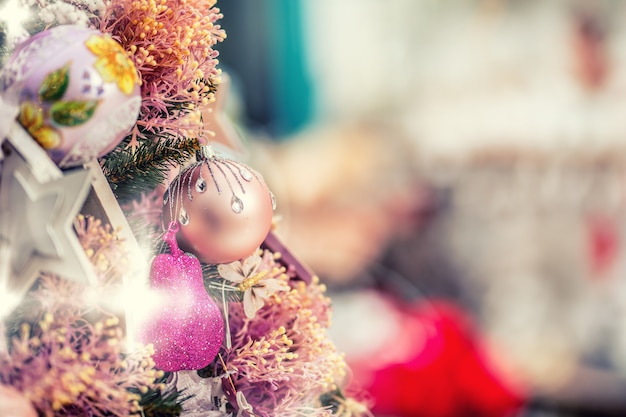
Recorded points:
(188, 330)
(80, 92)
(224, 207)
(15, 404)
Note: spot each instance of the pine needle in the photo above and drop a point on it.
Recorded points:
(132, 173)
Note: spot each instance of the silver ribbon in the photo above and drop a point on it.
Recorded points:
(207, 396)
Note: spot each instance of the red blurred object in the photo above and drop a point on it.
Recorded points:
(590, 49)
(435, 368)
(603, 244)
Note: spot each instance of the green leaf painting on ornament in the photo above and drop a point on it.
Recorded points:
(55, 84)
(73, 113)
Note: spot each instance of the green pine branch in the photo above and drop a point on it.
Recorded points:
(332, 400)
(156, 403)
(132, 173)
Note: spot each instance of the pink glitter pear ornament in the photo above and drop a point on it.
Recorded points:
(189, 328)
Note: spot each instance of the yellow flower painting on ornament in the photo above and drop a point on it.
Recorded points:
(32, 118)
(113, 65)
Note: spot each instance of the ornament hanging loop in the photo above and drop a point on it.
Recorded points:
(205, 153)
(170, 238)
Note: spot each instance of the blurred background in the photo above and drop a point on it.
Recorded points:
(454, 172)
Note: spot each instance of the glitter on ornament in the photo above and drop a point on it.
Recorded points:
(189, 329)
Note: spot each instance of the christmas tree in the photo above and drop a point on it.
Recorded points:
(140, 271)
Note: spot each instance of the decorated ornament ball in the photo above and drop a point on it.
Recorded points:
(224, 208)
(15, 404)
(80, 92)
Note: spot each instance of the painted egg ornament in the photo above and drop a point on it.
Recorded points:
(80, 92)
(224, 208)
